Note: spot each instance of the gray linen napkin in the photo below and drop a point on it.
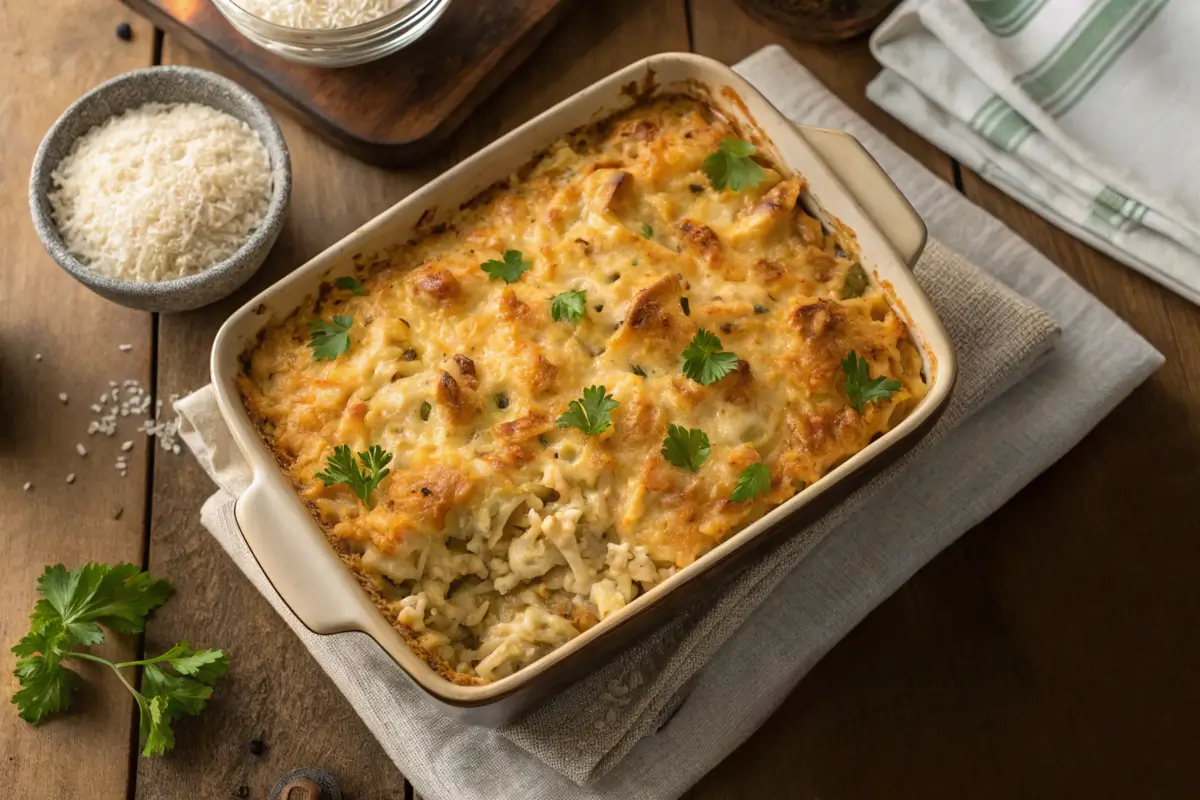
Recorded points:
(789, 609)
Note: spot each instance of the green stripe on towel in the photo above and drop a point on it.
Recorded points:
(1102, 220)
(1091, 46)
(1106, 225)
(1119, 204)
(1113, 213)
(1000, 124)
(1006, 17)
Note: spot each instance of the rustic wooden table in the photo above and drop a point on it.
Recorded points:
(1050, 653)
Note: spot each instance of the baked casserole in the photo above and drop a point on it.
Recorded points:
(516, 423)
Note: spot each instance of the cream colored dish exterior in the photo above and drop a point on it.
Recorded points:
(844, 182)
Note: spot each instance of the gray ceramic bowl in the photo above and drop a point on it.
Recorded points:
(163, 85)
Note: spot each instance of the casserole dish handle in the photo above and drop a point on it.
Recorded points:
(859, 172)
(304, 570)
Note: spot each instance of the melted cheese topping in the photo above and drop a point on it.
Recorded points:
(497, 536)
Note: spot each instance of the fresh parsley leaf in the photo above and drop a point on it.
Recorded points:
(46, 688)
(569, 306)
(754, 480)
(74, 603)
(686, 448)
(704, 361)
(426, 410)
(351, 284)
(118, 597)
(329, 339)
(509, 269)
(46, 636)
(155, 726)
(166, 696)
(861, 387)
(46, 685)
(205, 666)
(342, 468)
(183, 695)
(732, 166)
(647, 231)
(856, 281)
(591, 415)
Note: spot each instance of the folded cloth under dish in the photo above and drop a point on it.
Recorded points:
(1083, 110)
(672, 707)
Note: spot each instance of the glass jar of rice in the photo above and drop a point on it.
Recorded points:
(332, 33)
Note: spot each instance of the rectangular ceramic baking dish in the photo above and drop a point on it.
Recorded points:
(845, 182)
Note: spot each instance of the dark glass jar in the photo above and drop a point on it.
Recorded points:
(819, 20)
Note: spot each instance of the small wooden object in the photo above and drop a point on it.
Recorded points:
(301, 789)
(392, 111)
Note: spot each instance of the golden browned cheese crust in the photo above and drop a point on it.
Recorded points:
(498, 536)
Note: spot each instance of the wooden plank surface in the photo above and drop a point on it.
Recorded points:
(389, 111)
(49, 56)
(275, 692)
(1043, 655)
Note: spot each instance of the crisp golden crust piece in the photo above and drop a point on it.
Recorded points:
(498, 536)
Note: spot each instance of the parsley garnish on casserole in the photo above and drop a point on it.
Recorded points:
(504, 529)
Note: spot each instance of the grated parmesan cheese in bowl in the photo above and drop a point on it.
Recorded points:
(161, 191)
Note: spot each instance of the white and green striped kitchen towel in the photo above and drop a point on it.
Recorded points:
(1086, 111)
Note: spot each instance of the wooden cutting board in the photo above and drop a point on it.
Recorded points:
(392, 111)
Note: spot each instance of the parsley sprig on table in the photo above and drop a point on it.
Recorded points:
(732, 166)
(754, 480)
(704, 361)
(351, 284)
(591, 414)
(861, 387)
(329, 339)
(569, 306)
(507, 270)
(342, 468)
(74, 605)
(686, 448)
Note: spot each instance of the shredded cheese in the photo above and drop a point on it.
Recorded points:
(161, 191)
(320, 14)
